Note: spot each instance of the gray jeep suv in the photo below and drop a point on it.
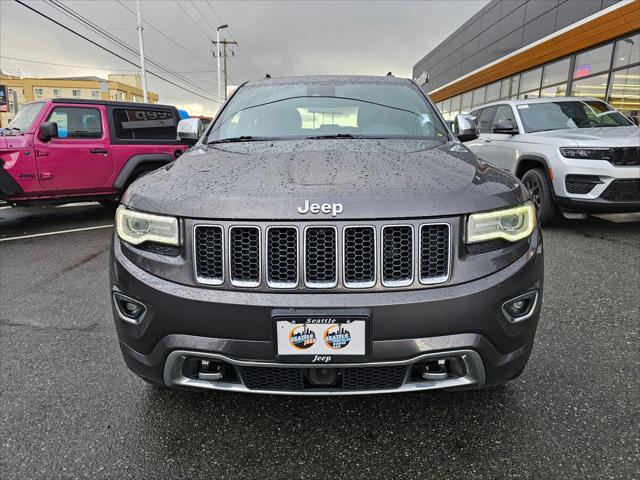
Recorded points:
(327, 235)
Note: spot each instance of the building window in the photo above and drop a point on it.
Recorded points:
(515, 83)
(76, 93)
(590, 87)
(95, 93)
(528, 95)
(478, 96)
(493, 92)
(555, 91)
(627, 51)
(624, 92)
(57, 92)
(530, 80)
(455, 104)
(465, 104)
(593, 61)
(556, 72)
(38, 91)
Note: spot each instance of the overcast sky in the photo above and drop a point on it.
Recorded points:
(280, 38)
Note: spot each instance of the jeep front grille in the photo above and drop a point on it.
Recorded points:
(323, 256)
(624, 156)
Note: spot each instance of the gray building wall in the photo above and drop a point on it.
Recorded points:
(501, 27)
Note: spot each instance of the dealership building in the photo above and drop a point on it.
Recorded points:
(519, 49)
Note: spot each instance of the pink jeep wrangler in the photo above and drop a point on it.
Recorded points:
(60, 151)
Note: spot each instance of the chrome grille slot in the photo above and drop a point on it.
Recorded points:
(359, 257)
(434, 253)
(282, 257)
(244, 251)
(209, 254)
(320, 262)
(397, 255)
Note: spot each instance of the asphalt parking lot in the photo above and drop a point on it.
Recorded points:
(71, 409)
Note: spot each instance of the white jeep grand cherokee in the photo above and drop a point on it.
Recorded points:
(576, 155)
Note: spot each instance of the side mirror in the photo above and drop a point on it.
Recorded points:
(190, 130)
(466, 128)
(48, 130)
(506, 128)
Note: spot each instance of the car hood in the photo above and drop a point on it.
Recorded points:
(16, 141)
(590, 137)
(370, 178)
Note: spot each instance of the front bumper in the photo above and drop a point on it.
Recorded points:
(594, 200)
(463, 323)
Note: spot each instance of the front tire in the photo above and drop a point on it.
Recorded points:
(539, 188)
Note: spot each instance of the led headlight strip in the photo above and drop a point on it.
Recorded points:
(137, 227)
(511, 224)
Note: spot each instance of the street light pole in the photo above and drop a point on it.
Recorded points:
(218, 55)
(141, 43)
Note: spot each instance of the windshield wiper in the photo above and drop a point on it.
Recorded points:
(242, 138)
(335, 135)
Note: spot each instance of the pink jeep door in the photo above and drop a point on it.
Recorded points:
(80, 157)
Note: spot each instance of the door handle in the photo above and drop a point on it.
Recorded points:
(103, 151)
(487, 140)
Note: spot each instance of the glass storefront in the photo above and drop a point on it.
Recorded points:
(610, 72)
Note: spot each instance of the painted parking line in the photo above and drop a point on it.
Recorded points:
(59, 232)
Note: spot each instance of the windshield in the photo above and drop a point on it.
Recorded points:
(541, 117)
(25, 117)
(319, 109)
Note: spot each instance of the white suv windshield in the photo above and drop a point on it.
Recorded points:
(318, 109)
(540, 117)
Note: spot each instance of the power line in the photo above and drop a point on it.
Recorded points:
(112, 52)
(68, 65)
(96, 67)
(71, 13)
(154, 28)
(192, 20)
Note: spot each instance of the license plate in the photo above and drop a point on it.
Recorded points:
(321, 339)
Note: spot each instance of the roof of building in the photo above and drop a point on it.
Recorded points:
(89, 78)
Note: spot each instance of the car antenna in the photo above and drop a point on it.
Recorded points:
(389, 74)
(267, 76)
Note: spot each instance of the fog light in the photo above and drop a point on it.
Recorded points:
(520, 308)
(132, 309)
(129, 310)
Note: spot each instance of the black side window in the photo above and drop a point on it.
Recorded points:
(77, 122)
(485, 119)
(135, 124)
(504, 115)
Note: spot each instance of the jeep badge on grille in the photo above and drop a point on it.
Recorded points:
(332, 208)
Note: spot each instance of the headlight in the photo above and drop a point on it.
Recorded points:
(511, 224)
(137, 227)
(590, 153)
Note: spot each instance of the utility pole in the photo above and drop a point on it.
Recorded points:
(217, 42)
(224, 44)
(141, 43)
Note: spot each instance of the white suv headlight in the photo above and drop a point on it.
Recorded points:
(510, 224)
(137, 227)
